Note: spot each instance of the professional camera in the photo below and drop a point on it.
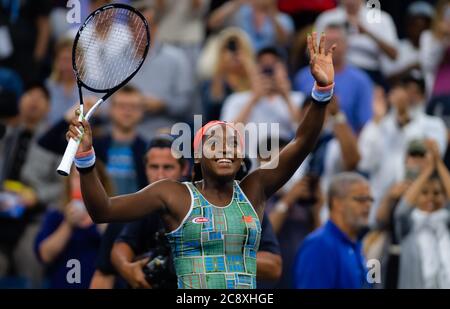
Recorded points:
(159, 271)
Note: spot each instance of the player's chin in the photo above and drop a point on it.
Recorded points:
(225, 169)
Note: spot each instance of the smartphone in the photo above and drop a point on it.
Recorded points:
(411, 174)
(268, 71)
(232, 45)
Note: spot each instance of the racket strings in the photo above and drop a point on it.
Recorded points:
(110, 48)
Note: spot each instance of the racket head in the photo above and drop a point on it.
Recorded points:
(96, 69)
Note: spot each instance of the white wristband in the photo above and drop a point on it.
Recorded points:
(322, 94)
(85, 159)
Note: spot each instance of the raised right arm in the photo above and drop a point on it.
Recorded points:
(122, 208)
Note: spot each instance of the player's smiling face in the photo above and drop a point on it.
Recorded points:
(222, 151)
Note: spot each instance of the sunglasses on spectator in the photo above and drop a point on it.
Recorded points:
(363, 199)
(417, 154)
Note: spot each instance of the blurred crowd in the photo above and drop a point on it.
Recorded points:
(375, 188)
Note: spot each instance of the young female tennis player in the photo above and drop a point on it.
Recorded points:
(213, 225)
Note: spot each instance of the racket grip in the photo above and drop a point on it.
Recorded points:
(69, 155)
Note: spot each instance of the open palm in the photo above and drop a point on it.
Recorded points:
(321, 62)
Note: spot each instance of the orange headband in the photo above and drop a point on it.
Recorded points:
(201, 132)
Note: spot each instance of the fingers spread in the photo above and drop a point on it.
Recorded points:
(310, 46)
(322, 44)
(314, 42)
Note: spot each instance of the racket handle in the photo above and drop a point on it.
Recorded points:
(69, 155)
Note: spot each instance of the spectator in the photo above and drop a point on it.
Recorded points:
(122, 149)
(33, 108)
(383, 145)
(368, 41)
(138, 237)
(182, 26)
(270, 100)
(435, 51)
(165, 79)
(331, 257)
(353, 88)
(61, 84)
(418, 19)
(390, 251)
(233, 67)
(422, 226)
(68, 233)
(413, 166)
(47, 154)
(260, 19)
(25, 39)
(335, 151)
(20, 220)
(337, 148)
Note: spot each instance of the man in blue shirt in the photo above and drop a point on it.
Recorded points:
(332, 257)
(353, 86)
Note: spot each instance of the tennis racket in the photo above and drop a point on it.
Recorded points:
(109, 49)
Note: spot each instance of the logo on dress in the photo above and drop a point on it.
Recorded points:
(200, 220)
(247, 219)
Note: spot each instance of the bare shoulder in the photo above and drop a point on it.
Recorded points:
(251, 186)
(174, 195)
(167, 188)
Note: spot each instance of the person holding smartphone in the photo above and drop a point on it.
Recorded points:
(233, 71)
(270, 100)
(68, 233)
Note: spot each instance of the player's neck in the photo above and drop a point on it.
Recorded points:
(215, 185)
(121, 135)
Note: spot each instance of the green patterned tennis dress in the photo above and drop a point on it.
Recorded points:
(215, 247)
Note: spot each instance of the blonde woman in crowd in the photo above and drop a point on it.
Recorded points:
(232, 67)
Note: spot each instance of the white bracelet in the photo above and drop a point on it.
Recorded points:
(85, 159)
(322, 95)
